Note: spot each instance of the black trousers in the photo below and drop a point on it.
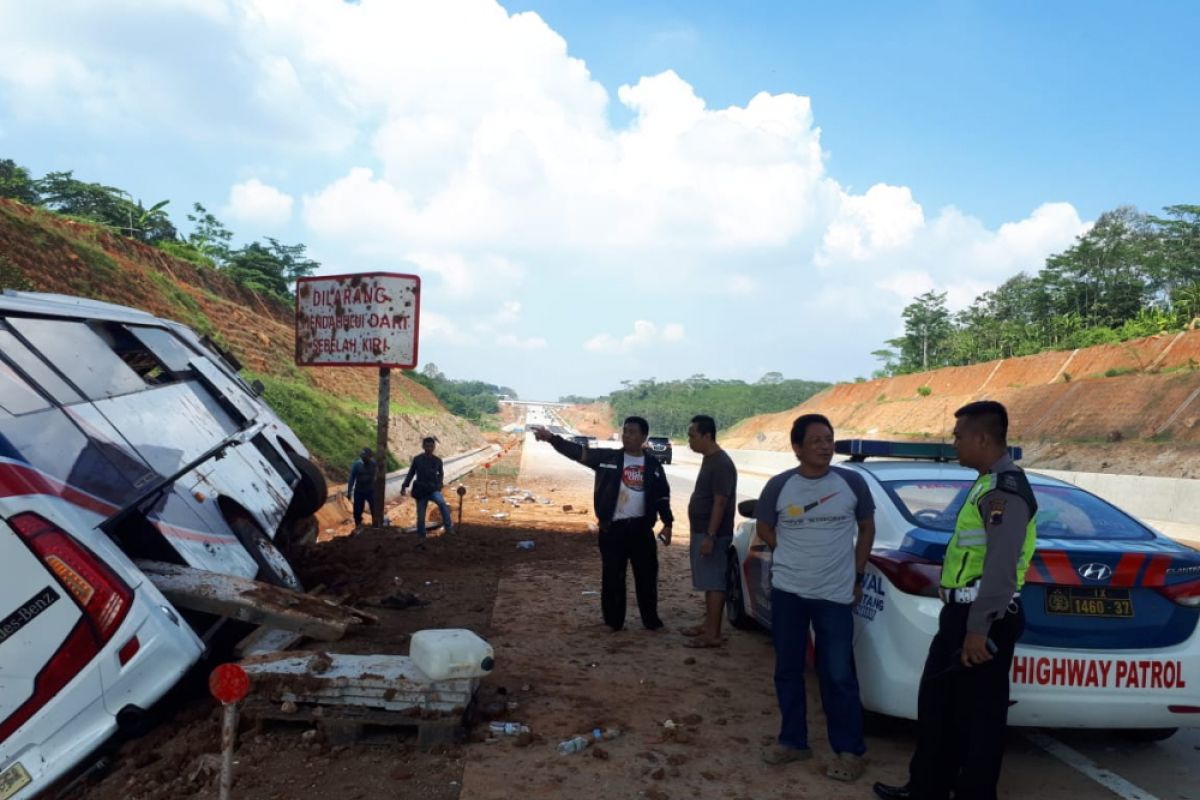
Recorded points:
(962, 713)
(623, 542)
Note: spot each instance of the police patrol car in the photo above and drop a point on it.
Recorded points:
(1111, 637)
(122, 436)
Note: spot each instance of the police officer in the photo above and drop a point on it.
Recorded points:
(962, 702)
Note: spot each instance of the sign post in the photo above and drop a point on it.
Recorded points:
(229, 684)
(369, 319)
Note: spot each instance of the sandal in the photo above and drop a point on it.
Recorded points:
(701, 643)
(847, 767)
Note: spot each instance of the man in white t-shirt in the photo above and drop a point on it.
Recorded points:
(819, 521)
(631, 492)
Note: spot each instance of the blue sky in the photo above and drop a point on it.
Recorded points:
(595, 192)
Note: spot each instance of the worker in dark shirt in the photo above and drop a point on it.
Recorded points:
(361, 486)
(427, 475)
(962, 702)
(631, 492)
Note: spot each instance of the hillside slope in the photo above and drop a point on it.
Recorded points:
(1132, 407)
(331, 409)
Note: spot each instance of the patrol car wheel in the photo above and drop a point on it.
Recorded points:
(735, 606)
(273, 567)
(1149, 734)
(310, 492)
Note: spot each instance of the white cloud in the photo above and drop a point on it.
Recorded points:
(256, 203)
(465, 143)
(510, 341)
(645, 334)
(440, 329)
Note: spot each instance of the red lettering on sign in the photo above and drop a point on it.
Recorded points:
(1122, 671)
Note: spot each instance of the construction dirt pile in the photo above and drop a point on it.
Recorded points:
(593, 419)
(1132, 407)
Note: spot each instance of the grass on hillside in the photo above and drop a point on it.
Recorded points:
(333, 428)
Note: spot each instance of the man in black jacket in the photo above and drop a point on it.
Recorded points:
(429, 475)
(631, 491)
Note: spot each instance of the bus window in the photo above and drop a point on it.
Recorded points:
(36, 369)
(80, 354)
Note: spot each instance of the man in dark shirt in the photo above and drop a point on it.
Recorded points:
(426, 476)
(631, 491)
(710, 515)
(361, 487)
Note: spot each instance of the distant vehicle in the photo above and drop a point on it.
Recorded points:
(661, 447)
(1111, 638)
(122, 437)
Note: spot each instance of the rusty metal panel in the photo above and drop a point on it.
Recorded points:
(369, 319)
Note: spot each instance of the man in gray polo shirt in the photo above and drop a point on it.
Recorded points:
(820, 522)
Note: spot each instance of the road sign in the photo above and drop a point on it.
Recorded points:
(229, 683)
(369, 319)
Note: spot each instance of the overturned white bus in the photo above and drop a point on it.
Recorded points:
(122, 436)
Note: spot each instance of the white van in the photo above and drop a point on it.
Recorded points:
(122, 437)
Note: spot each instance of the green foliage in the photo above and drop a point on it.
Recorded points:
(670, 406)
(107, 205)
(473, 400)
(209, 237)
(16, 184)
(577, 399)
(1113, 372)
(270, 268)
(1130, 275)
(331, 427)
(924, 391)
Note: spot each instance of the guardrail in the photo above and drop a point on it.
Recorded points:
(455, 466)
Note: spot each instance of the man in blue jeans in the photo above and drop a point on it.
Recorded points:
(426, 476)
(819, 521)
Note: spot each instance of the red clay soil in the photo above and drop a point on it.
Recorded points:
(593, 419)
(1143, 390)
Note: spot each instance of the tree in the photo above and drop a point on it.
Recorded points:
(16, 184)
(209, 236)
(771, 379)
(927, 330)
(270, 269)
(107, 205)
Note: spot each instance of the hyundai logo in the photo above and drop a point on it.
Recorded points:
(1095, 572)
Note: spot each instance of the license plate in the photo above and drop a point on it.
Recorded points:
(1114, 603)
(13, 780)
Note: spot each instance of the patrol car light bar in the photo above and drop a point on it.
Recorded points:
(862, 449)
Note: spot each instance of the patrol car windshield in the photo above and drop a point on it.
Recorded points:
(1063, 512)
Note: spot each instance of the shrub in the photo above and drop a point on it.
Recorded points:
(924, 391)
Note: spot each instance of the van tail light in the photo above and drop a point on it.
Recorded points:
(104, 598)
(908, 573)
(1184, 594)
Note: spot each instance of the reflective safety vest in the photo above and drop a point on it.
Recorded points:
(963, 564)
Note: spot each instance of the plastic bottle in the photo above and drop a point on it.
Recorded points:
(572, 745)
(527, 544)
(507, 728)
(605, 734)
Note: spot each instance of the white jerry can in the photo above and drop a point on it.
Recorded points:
(448, 653)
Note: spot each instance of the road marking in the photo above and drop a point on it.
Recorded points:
(1081, 763)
